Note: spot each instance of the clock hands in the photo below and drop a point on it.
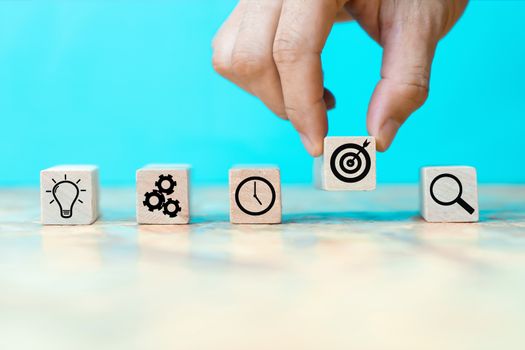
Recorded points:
(255, 186)
(255, 192)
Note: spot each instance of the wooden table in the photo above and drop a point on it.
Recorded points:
(344, 271)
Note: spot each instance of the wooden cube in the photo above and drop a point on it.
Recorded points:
(255, 195)
(449, 194)
(163, 194)
(69, 195)
(347, 164)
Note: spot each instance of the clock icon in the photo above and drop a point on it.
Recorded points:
(255, 195)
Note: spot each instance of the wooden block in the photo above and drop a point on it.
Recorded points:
(449, 194)
(255, 195)
(347, 164)
(163, 194)
(69, 195)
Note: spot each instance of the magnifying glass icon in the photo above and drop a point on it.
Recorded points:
(445, 180)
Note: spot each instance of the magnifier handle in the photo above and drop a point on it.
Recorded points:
(465, 206)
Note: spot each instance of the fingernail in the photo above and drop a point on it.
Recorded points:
(330, 104)
(387, 133)
(329, 99)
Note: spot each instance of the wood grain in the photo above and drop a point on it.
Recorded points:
(247, 201)
(325, 173)
(345, 270)
(174, 207)
(69, 195)
(455, 191)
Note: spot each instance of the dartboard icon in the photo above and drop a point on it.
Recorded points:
(351, 162)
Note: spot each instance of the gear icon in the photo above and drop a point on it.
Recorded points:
(155, 205)
(171, 208)
(166, 180)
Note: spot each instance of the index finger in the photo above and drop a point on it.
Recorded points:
(301, 35)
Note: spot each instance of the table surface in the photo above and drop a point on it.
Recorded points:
(354, 270)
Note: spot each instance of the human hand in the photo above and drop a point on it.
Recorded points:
(272, 49)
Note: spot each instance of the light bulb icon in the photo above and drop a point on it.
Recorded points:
(65, 194)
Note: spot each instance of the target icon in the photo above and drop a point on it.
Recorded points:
(351, 162)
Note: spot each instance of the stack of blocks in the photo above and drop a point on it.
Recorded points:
(69, 194)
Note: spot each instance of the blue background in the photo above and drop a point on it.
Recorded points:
(125, 83)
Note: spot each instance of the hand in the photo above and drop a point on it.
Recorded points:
(272, 49)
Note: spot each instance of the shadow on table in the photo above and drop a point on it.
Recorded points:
(359, 216)
(486, 216)
(501, 215)
(326, 217)
(210, 218)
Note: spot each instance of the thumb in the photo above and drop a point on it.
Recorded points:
(404, 85)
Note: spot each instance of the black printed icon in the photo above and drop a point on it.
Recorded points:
(440, 197)
(351, 162)
(156, 199)
(166, 184)
(255, 196)
(66, 194)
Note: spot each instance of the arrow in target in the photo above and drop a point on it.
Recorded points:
(365, 144)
